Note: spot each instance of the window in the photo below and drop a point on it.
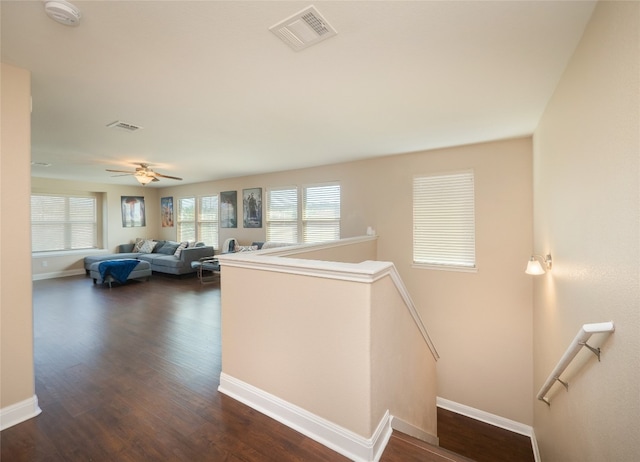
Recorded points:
(321, 213)
(282, 215)
(444, 221)
(316, 217)
(198, 219)
(63, 222)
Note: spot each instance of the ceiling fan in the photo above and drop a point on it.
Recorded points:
(144, 174)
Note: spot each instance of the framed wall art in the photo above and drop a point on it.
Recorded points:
(229, 209)
(166, 211)
(132, 211)
(252, 207)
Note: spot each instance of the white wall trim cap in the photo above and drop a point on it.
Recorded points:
(341, 440)
(19, 412)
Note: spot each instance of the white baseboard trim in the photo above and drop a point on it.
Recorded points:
(491, 419)
(19, 412)
(341, 440)
(534, 445)
(57, 274)
(411, 430)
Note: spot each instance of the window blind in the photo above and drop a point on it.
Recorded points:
(63, 222)
(186, 219)
(208, 220)
(444, 220)
(282, 215)
(321, 213)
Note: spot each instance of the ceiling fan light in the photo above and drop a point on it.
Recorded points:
(144, 179)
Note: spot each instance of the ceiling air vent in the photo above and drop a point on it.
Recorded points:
(303, 29)
(124, 126)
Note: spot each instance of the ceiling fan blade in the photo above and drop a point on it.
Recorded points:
(155, 179)
(120, 171)
(167, 176)
(122, 174)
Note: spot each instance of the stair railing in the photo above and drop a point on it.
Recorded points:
(585, 332)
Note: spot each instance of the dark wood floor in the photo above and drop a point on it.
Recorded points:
(131, 374)
(481, 441)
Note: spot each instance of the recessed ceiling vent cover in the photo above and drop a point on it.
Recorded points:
(303, 29)
(124, 126)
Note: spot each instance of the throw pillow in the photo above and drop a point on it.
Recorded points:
(246, 248)
(138, 244)
(168, 248)
(181, 247)
(158, 246)
(147, 246)
(191, 244)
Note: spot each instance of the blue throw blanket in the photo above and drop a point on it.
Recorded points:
(119, 270)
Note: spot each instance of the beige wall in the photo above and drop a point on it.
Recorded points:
(480, 322)
(310, 349)
(403, 369)
(16, 318)
(587, 208)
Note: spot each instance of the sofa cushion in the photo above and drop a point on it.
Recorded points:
(167, 261)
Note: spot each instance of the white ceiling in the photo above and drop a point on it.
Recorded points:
(220, 96)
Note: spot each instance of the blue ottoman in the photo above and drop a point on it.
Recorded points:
(141, 270)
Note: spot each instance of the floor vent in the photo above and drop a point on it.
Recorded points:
(124, 126)
(303, 29)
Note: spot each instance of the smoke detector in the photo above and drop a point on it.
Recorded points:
(63, 12)
(303, 29)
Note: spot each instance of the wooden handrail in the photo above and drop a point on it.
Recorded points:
(585, 332)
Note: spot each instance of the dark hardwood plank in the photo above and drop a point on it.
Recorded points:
(481, 441)
(403, 448)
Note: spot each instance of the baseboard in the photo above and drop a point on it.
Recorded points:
(57, 274)
(491, 419)
(534, 445)
(341, 440)
(413, 431)
(19, 412)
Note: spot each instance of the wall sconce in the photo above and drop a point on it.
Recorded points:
(536, 262)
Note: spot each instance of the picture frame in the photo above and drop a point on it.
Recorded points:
(252, 207)
(166, 211)
(229, 209)
(133, 213)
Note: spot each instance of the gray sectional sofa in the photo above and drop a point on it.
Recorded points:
(162, 258)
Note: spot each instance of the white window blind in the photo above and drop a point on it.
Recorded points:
(186, 219)
(61, 222)
(444, 220)
(198, 219)
(208, 220)
(321, 213)
(282, 215)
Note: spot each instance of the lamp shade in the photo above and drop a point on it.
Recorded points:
(534, 267)
(144, 179)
